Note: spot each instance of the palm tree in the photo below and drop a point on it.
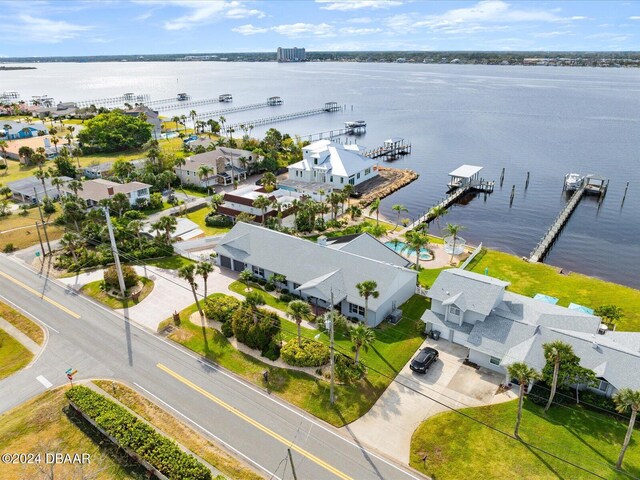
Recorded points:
(626, 399)
(437, 212)
(556, 352)
(416, 241)
(3, 149)
(361, 336)
(187, 272)
(42, 175)
(193, 116)
(222, 121)
(269, 181)
(254, 300)
(71, 243)
(166, 224)
(399, 208)
(299, 310)
(183, 121)
(367, 289)
(74, 186)
(354, 212)
(262, 203)
(375, 207)
(217, 199)
(55, 140)
(77, 153)
(321, 192)
(245, 277)
(203, 173)
(176, 119)
(525, 375)
(204, 269)
(58, 182)
(453, 231)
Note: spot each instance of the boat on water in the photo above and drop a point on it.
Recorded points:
(572, 181)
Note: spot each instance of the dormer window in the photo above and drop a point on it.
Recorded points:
(453, 310)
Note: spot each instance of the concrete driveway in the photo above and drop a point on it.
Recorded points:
(391, 422)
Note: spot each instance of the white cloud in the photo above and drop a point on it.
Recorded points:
(360, 20)
(304, 29)
(37, 29)
(579, 17)
(635, 17)
(204, 12)
(249, 29)
(359, 31)
(551, 34)
(349, 5)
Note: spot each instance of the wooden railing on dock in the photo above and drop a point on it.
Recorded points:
(226, 111)
(554, 230)
(445, 203)
(280, 118)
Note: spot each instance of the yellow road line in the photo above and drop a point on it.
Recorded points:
(44, 297)
(256, 424)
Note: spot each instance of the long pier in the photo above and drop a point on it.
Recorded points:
(226, 111)
(444, 203)
(350, 128)
(114, 101)
(329, 107)
(179, 105)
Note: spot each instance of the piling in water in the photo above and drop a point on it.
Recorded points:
(513, 193)
(502, 177)
(526, 184)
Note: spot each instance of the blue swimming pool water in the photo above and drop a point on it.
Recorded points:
(400, 248)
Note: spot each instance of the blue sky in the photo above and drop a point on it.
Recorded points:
(78, 27)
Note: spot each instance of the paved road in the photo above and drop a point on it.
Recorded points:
(88, 337)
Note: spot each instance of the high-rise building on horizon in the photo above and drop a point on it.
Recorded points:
(294, 54)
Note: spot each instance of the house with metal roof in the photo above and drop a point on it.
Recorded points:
(329, 165)
(26, 189)
(322, 273)
(500, 328)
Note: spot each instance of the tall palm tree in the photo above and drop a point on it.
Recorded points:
(556, 352)
(203, 173)
(183, 121)
(76, 153)
(416, 241)
(354, 212)
(245, 277)
(217, 199)
(193, 116)
(3, 149)
(269, 181)
(58, 182)
(71, 243)
(525, 375)
(367, 289)
(627, 399)
(361, 337)
(75, 186)
(204, 269)
(399, 208)
(166, 224)
(437, 212)
(42, 175)
(187, 272)
(262, 203)
(375, 207)
(299, 310)
(222, 121)
(453, 230)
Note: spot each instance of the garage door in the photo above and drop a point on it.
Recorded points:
(225, 261)
(238, 266)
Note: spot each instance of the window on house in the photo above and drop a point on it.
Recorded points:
(603, 386)
(188, 173)
(258, 271)
(367, 171)
(341, 179)
(331, 178)
(356, 309)
(352, 181)
(494, 361)
(454, 310)
(315, 161)
(358, 176)
(296, 285)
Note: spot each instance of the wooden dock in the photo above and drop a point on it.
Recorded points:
(130, 98)
(390, 150)
(181, 105)
(329, 107)
(591, 184)
(225, 111)
(444, 203)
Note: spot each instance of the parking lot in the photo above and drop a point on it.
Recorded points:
(414, 397)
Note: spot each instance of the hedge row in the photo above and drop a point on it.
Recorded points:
(136, 435)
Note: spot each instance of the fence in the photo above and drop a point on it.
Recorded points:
(471, 257)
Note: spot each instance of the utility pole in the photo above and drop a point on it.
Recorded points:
(40, 240)
(114, 249)
(293, 468)
(332, 398)
(44, 225)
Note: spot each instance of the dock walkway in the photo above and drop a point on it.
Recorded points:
(282, 118)
(445, 203)
(227, 111)
(181, 105)
(552, 233)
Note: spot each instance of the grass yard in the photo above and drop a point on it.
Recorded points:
(427, 276)
(21, 229)
(456, 447)
(181, 433)
(174, 262)
(393, 348)
(22, 323)
(198, 217)
(529, 279)
(42, 425)
(94, 291)
(269, 299)
(191, 192)
(13, 355)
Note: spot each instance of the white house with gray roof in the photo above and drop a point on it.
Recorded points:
(500, 328)
(316, 271)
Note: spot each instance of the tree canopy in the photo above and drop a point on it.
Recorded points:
(115, 131)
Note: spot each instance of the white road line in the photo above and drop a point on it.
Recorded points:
(47, 384)
(218, 439)
(242, 382)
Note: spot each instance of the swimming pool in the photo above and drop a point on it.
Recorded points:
(400, 247)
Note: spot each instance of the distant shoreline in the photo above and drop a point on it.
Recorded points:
(4, 67)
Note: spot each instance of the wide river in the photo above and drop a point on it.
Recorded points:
(543, 120)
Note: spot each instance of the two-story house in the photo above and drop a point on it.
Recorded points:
(99, 189)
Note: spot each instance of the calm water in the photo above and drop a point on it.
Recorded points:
(549, 121)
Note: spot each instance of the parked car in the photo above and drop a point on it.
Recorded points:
(424, 359)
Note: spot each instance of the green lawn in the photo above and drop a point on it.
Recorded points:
(13, 355)
(269, 299)
(427, 276)
(531, 278)
(456, 447)
(394, 346)
(22, 323)
(93, 290)
(173, 262)
(198, 217)
(191, 192)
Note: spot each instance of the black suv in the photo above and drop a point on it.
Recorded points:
(424, 359)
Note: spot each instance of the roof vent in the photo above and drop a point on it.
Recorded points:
(322, 240)
(447, 292)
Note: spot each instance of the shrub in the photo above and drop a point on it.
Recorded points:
(220, 308)
(308, 354)
(129, 432)
(284, 290)
(218, 221)
(128, 273)
(261, 281)
(320, 224)
(227, 329)
(258, 334)
(272, 352)
(48, 206)
(269, 286)
(347, 371)
(286, 297)
(155, 201)
(9, 247)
